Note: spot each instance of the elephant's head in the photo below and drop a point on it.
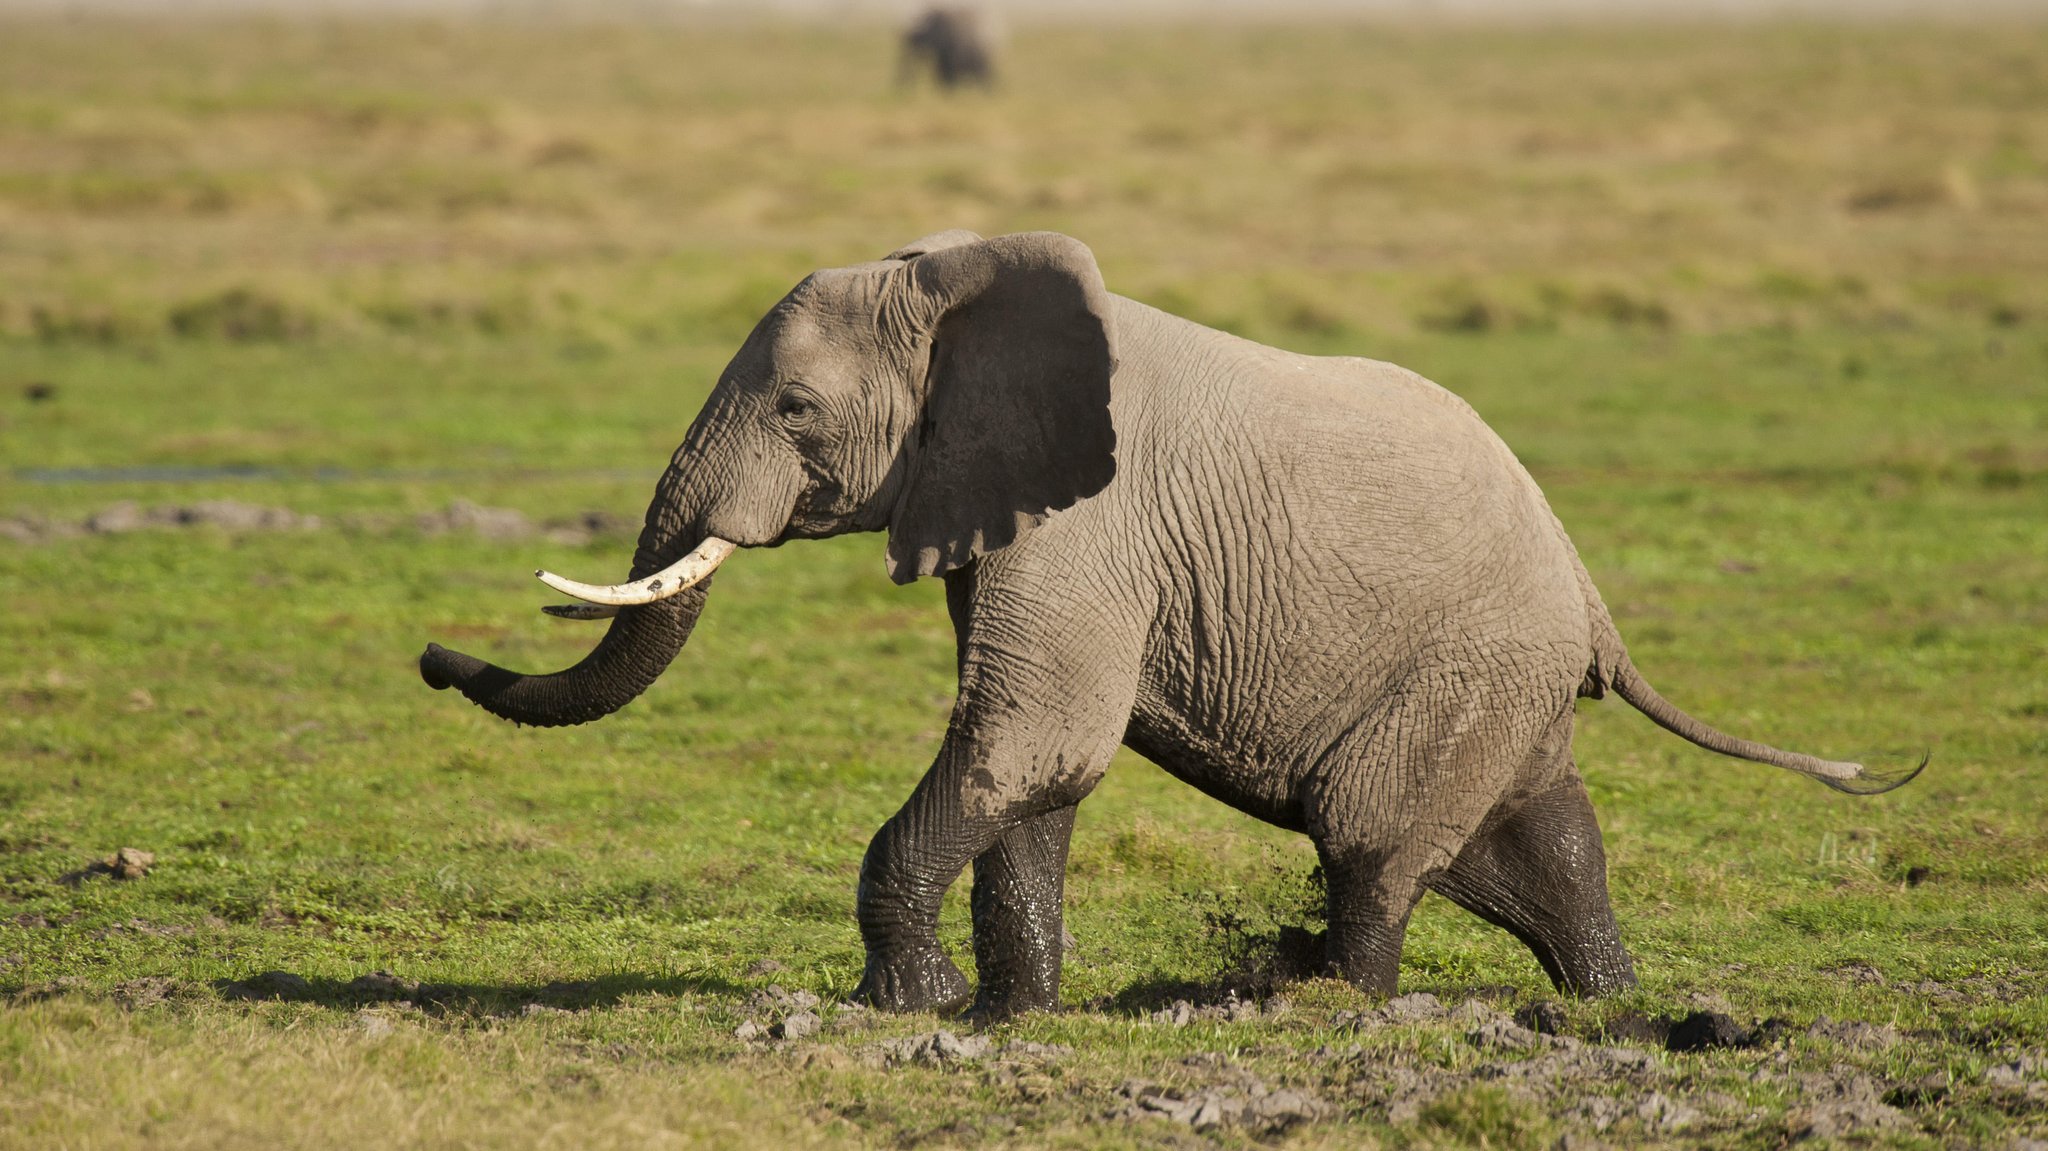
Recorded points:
(953, 393)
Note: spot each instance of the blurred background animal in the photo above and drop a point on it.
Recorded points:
(956, 44)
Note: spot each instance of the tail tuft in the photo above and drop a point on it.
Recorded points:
(1869, 782)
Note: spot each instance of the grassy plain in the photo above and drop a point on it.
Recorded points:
(1764, 307)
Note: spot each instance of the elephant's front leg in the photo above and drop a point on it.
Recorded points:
(960, 813)
(903, 879)
(1019, 885)
(1046, 688)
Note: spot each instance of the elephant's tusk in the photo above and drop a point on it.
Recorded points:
(679, 576)
(580, 611)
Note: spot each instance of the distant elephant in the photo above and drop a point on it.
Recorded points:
(956, 43)
(1320, 590)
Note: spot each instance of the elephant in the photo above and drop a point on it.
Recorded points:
(1321, 590)
(958, 44)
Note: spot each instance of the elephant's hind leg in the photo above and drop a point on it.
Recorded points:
(1541, 874)
(1372, 893)
(1018, 888)
(1393, 807)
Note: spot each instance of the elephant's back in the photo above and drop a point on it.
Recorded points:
(1344, 523)
(1395, 473)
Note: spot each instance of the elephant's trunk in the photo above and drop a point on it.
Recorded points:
(636, 648)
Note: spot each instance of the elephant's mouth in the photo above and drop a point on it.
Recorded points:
(605, 600)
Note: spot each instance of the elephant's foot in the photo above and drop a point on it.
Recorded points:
(994, 1004)
(923, 980)
(1370, 898)
(1608, 972)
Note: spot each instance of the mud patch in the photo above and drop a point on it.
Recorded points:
(150, 990)
(238, 518)
(128, 516)
(476, 519)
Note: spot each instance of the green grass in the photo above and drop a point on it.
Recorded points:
(1761, 306)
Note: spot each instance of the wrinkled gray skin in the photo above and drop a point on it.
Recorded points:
(954, 43)
(1320, 590)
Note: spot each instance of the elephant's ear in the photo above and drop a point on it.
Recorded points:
(937, 241)
(1016, 411)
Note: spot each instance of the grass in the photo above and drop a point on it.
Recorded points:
(1762, 306)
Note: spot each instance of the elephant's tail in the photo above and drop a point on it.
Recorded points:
(1612, 669)
(1853, 778)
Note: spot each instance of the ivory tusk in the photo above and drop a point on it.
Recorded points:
(580, 611)
(679, 576)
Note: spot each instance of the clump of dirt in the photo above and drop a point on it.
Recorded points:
(380, 987)
(1243, 1103)
(1706, 1031)
(1569, 1077)
(150, 990)
(797, 1025)
(2016, 1072)
(1854, 1033)
(1506, 1035)
(797, 1014)
(1231, 1009)
(1857, 971)
(268, 985)
(1414, 1007)
(52, 989)
(776, 997)
(1545, 1017)
(940, 1048)
(1840, 1103)
(1632, 1027)
(1655, 1113)
(127, 863)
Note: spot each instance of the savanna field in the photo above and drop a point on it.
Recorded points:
(316, 338)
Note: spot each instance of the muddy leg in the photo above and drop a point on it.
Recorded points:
(1371, 896)
(1541, 873)
(1018, 886)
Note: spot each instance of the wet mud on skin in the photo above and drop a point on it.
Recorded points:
(1303, 1055)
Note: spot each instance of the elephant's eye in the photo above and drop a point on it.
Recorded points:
(795, 408)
